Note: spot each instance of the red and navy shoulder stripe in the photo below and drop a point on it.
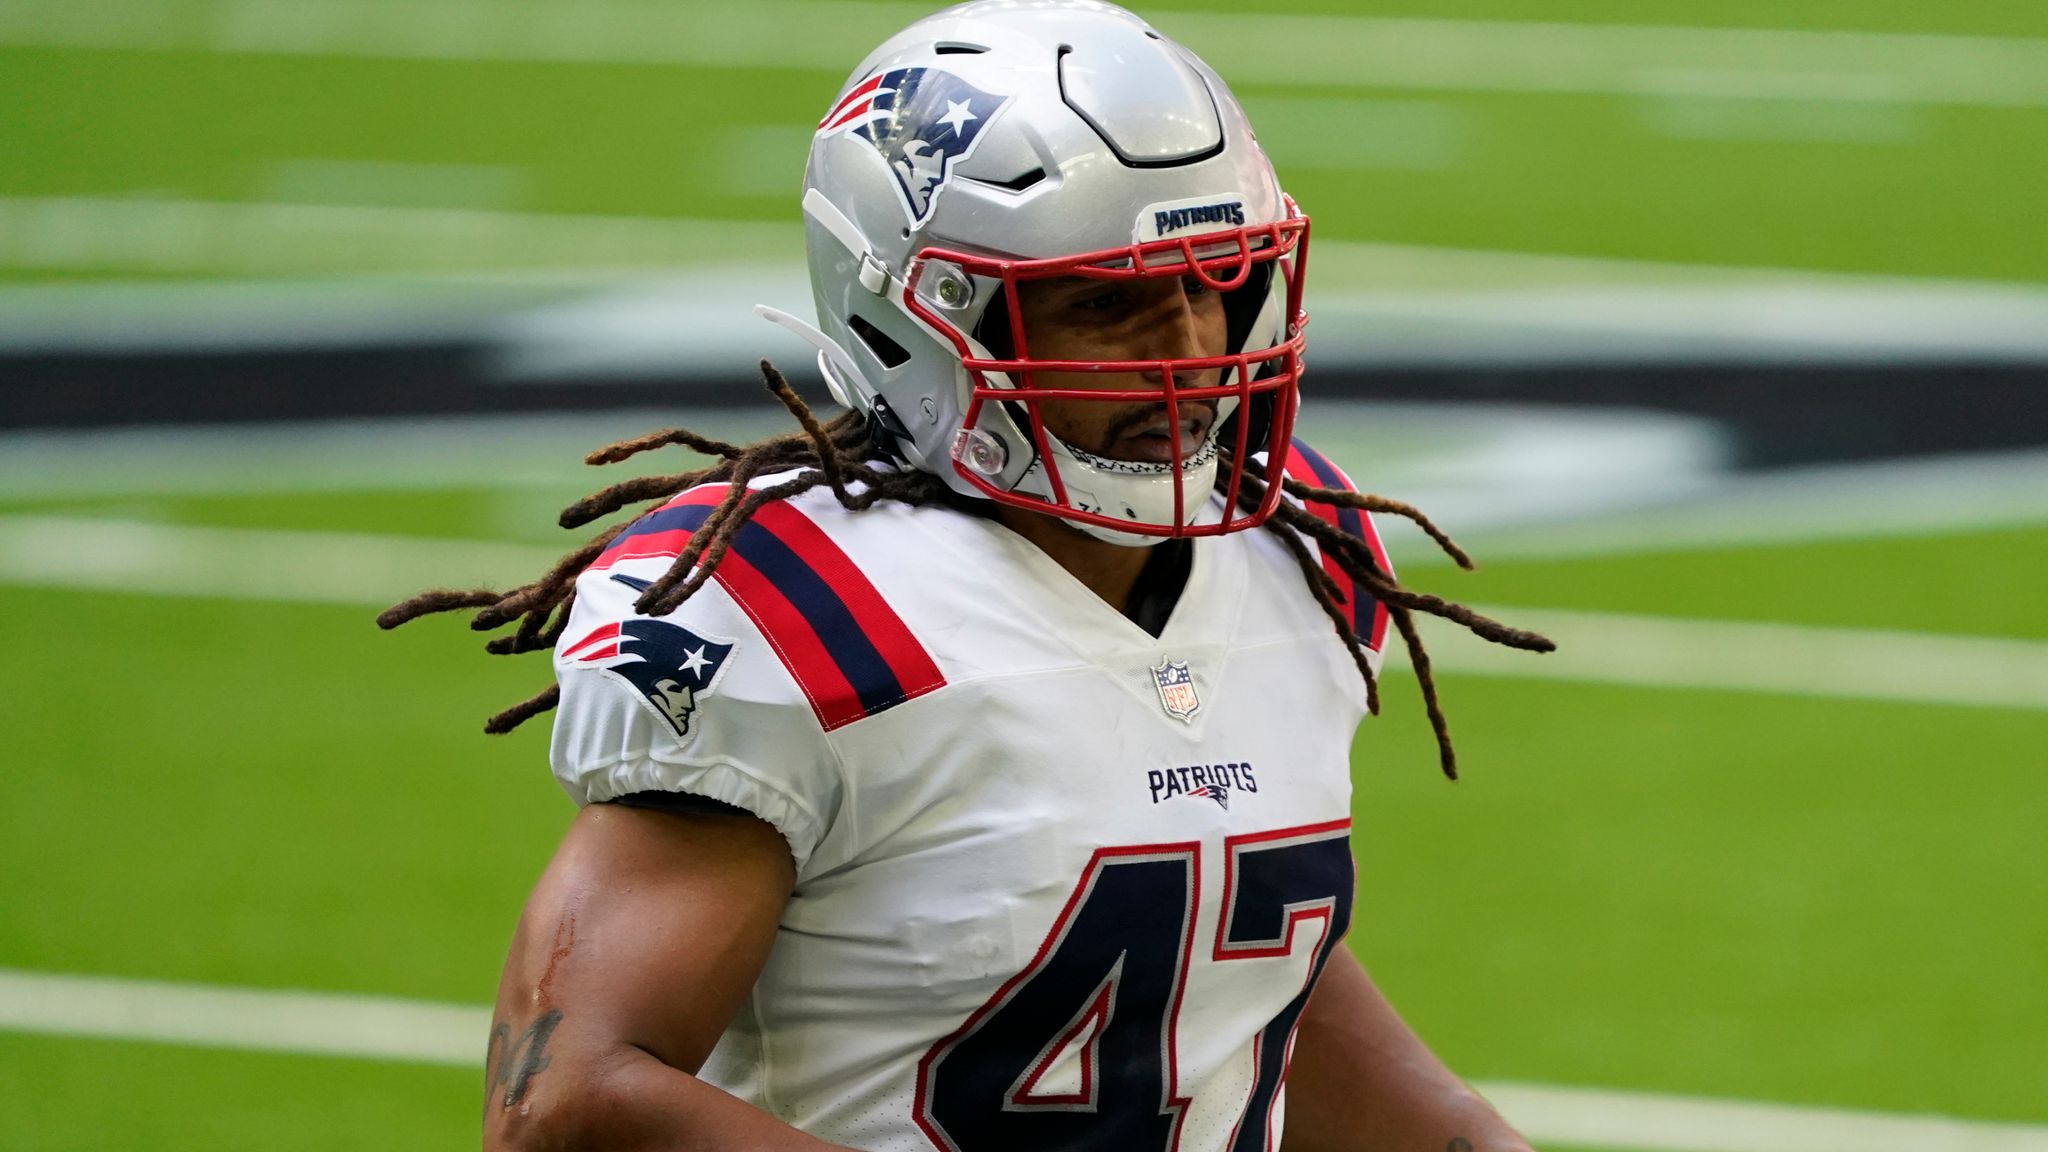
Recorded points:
(846, 648)
(1368, 616)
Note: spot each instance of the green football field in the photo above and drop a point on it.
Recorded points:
(1893, 137)
(1729, 894)
(1715, 893)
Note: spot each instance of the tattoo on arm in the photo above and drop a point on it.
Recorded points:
(500, 1033)
(510, 1065)
(1458, 1144)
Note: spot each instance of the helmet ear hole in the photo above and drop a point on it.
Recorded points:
(1242, 305)
(887, 351)
(1256, 413)
(992, 331)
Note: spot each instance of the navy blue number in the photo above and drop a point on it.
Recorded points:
(1106, 983)
(1273, 883)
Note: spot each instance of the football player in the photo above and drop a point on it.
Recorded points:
(971, 771)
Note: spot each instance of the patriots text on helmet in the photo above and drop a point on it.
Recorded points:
(1175, 219)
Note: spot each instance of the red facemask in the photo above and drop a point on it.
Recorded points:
(1264, 387)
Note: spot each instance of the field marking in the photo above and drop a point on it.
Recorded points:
(260, 239)
(1606, 648)
(250, 564)
(1781, 659)
(1270, 48)
(160, 235)
(424, 1032)
(1833, 502)
(309, 1023)
(1659, 1122)
(1796, 67)
(1699, 117)
(519, 456)
(1473, 467)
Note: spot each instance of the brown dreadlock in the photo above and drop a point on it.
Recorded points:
(831, 452)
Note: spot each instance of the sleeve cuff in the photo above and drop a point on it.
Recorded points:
(726, 783)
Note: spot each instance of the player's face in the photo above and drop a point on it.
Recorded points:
(1074, 318)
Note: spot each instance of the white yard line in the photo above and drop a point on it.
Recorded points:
(422, 1032)
(162, 235)
(259, 237)
(250, 564)
(1512, 483)
(341, 568)
(1269, 48)
(1862, 501)
(312, 1023)
(546, 286)
(1786, 659)
(1616, 59)
(514, 455)
(1655, 1122)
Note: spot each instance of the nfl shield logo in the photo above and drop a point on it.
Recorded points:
(1177, 689)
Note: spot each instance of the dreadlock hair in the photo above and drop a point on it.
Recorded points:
(845, 448)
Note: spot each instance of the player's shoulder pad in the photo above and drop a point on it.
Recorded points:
(784, 581)
(1367, 616)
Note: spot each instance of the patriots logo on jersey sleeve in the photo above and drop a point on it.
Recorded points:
(666, 663)
(923, 121)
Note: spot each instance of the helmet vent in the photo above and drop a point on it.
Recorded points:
(955, 48)
(889, 352)
(1142, 97)
(1015, 183)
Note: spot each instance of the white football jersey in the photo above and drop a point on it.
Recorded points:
(1060, 884)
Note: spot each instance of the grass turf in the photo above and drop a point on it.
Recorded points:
(1978, 582)
(1978, 17)
(1696, 892)
(1715, 893)
(467, 513)
(266, 795)
(1862, 186)
(71, 1094)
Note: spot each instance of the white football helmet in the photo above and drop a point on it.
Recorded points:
(1004, 141)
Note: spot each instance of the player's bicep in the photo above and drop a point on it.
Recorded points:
(645, 932)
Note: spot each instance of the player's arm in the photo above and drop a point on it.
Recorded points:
(1362, 1081)
(639, 942)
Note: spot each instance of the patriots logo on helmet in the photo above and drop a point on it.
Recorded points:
(666, 663)
(923, 121)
